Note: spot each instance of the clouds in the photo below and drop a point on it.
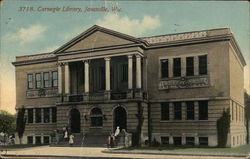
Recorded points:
(27, 35)
(129, 25)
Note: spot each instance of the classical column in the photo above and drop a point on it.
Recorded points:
(86, 77)
(138, 72)
(107, 73)
(130, 71)
(183, 66)
(67, 78)
(59, 78)
(196, 65)
(170, 67)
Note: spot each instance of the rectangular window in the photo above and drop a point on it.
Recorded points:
(164, 111)
(38, 140)
(203, 65)
(46, 115)
(164, 68)
(46, 79)
(165, 140)
(203, 141)
(190, 141)
(190, 110)
(38, 80)
(38, 115)
(30, 115)
(177, 110)
(177, 141)
(177, 67)
(190, 66)
(46, 139)
(203, 110)
(30, 81)
(54, 79)
(124, 74)
(30, 139)
(102, 78)
(54, 115)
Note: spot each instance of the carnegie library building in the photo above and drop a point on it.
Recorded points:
(173, 88)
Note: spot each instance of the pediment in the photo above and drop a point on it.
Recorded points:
(97, 37)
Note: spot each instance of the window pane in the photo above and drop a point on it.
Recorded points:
(203, 141)
(30, 115)
(165, 140)
(177, 67)
(46, 139)
(177, 110)
(38, 140)
(190, 141)
(46, 79)
(38, 115)
(190, 110)
(177, 141)
(54, 115)
(190, 66)
(96, 117)
(38, 80)
(30, 81)
(46, 115)
(164, 68)
(203, 110)
(55, 79)
(164, 111)
(30, 139)
(203, 65)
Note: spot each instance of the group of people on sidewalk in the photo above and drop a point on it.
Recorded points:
(112, 138)
(67, 137)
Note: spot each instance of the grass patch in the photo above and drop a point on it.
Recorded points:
(244, 149)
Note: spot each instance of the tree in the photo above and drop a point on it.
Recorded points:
(223, 126)
(7, 122)
(20, 123)
(136, 138)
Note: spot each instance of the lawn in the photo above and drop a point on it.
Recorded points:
(245, 149)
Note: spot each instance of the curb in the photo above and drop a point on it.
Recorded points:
(174, 153)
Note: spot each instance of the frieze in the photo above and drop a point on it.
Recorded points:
(193, 82)
(41, 56)
(168, 38)
(41, 93)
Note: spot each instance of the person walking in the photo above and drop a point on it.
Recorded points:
(71, 139)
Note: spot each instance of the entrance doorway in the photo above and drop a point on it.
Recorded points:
(120, 118)
(75, 121)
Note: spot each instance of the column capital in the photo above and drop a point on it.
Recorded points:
(107, 58)
(66, 63)
(137, 56)
(60, 64)
(130, 56)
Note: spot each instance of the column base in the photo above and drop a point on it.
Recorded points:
(130, 94)
(107, 95)
(85, 96)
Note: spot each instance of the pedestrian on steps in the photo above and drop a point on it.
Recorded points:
(71, 139)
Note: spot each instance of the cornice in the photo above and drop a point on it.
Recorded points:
(36, 61)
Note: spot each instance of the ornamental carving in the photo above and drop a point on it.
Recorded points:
(36, 93)
(193, 82)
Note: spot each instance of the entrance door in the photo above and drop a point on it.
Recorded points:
(75, 121)
(120, 118)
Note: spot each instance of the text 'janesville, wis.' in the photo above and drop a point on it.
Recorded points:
(68, 9)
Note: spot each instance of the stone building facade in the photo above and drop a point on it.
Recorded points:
(178, 84)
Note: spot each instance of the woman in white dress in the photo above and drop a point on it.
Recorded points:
(71, 139)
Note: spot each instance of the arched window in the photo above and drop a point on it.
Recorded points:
(96, 117)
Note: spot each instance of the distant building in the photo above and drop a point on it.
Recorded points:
(102, 79)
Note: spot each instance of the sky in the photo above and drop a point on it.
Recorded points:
(27, 28)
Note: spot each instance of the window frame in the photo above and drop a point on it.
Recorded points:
(46, 115)
(54, 114)
(30, 138)
(164, 68)
(36, 115)
(190, 143)
(46, 81)
(202, 143)
(54, 79)
(96, 118)
(30, 84)
(190, 66)
(190, 113)
(124, 72)
(203, 111)
(38, 81)
(174, 140)
(177, 112)
(30, 115)
(165, 115)
(165, 138)
(203, 65)
(177, 67)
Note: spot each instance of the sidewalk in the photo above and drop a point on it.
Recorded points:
(98, 152)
